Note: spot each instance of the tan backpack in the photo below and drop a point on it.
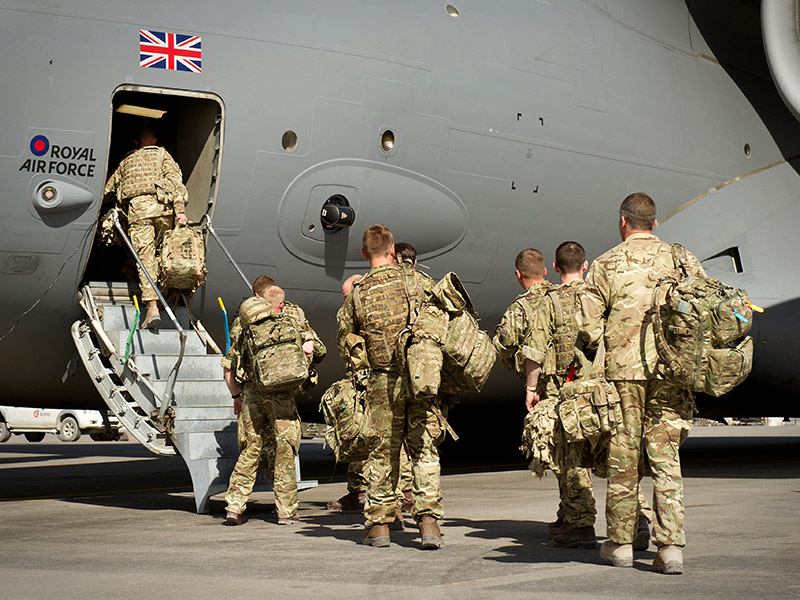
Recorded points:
(183, 259)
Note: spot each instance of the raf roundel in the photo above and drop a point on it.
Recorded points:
(40, 145)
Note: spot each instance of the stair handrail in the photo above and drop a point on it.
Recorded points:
(206, 221)
(173, 374)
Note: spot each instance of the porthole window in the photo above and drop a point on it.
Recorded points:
(289, 141)
(387, 140)
(452, 11)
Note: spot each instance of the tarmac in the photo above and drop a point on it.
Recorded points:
(111, 520)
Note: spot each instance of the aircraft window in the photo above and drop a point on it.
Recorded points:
(387, 140)
(289, 140)
(747, 151)
(452, 11)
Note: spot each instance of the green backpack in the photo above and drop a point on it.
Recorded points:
(346, 413)
(273, 346)
(183, 259)
(700, 327)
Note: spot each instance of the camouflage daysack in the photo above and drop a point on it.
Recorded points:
(700, 327)
(346, 412)
(183, 259)
(273, 347)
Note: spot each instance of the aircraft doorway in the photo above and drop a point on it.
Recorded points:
(189, 126)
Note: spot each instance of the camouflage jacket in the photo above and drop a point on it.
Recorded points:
(384, 298)
(618, 300)
(137, 179)
(233, 360)
(510, 335)
(542, 339)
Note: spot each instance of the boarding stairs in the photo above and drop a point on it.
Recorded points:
(169, 394)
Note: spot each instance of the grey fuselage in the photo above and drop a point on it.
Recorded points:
(512, 124)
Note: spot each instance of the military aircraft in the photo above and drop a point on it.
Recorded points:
(472, 129)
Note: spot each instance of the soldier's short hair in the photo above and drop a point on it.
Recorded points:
(639, 210)
(262, 284)
(275, 296)
(377, 241)
(530, 263)
(405, 252)
(569, 257)
(146, 136)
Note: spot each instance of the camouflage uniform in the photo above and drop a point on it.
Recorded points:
(358, 475)
(270, 426)
(509, 337)
(378, 309)
(552, 347)
(149, 181)
(617, 307)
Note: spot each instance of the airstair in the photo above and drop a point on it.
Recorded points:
(165, 386)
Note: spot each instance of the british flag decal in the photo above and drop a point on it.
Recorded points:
(171, 51)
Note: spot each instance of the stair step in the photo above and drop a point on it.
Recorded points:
(197, 393)
(206, 367)
(120, 317)
(162, 341)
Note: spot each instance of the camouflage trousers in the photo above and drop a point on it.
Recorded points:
(659, 413)
(146, 236)
(358, 475)
(397, 418)
(267, 419)
(576, 498)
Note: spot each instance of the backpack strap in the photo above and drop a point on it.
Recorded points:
(680, 259)
(558, 314)
(665, 352)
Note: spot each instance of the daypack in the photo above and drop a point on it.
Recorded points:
(273, 345)
(183, 259)
(700, 327)
(590, 411)
(346, 413)
(446, 337)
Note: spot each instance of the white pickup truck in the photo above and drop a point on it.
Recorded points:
(33, 423)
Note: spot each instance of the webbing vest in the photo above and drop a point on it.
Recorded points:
(382, 307)
(140, 172)
(565, 310)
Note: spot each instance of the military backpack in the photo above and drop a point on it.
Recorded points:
(700, 327)
(183, 259)
(273, 346)
(346, 412)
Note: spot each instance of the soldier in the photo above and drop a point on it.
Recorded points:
(151, 184)
(378, 309)
(267, 417)
(618, 309)
(552, 342)
(509, 337)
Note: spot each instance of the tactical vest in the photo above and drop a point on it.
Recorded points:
(140, 172)
(565, 310)
(382, 304)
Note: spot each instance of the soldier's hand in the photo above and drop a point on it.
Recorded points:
(531, 399)
(181, 219)
(308, 346)
(237, 406)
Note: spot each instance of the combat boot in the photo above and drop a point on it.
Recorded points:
(153, 317)
(378, 536)
(556, 527)
(408, 502)
(580, 537)
(232, 518)
(430, 534)
(619, 555)
(349, 503)
(642, 539)
(669, 560)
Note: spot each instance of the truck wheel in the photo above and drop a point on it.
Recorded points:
(4, 432)
(34, 436)
(68, 430)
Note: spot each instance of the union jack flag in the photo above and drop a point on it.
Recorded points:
(171, 51)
